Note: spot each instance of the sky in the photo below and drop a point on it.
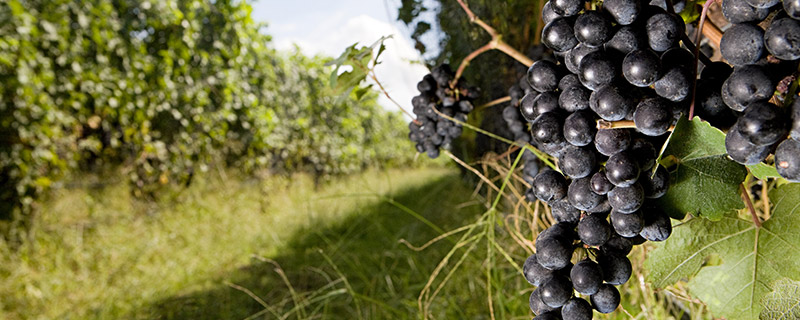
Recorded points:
(327, 27)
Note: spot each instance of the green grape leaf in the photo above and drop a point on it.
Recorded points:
(360, 61)
(783, 302)
(763, 171)
(703, 180)
(731, 264)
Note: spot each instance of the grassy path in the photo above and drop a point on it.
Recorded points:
(94, 257)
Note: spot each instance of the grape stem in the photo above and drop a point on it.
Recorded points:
(495, 43)
(603, 124)
(698, 37)
(749, 204)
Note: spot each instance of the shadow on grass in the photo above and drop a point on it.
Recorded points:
(353, 269)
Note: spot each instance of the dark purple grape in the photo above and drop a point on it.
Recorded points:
(594, 230)
(782, 39)
(762, 4)
(675, 84)
(626, 40)
(597, 69)
(537, 305)
(587, 276)
(534, 272)
(556, 291)
(544, 75)
(576, 309)
(641, 67)
(763, 124)
(606, 300)
(611, 102)
(610, 141)
(742, 44)
(787, 160)
(664, 30)
(792, 8)
(617, 245)
(580, 128)
(558, 34)
(626, 199)
(548, 14)
(553, 253)
(593, 28)
(566, 8)
(577, 162)
(742, 150)
(574, 99)
(547, 128)
(627, 224)
(563, 211)
(569, 81)
(574, 56)
(622, 169)
(657, 225)
(653, 116)
(549, 186)
(644, 152)
(748, 84)
(616, 268)
(655, 184)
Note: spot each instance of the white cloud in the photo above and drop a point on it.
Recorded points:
(333, 33)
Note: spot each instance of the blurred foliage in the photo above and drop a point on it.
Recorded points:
(163, 89)
(494, 72)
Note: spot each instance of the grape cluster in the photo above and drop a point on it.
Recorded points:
(620, 62)
(430, 130)
(519, 129)
(761, 59)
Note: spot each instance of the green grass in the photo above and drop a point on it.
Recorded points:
(279, 249)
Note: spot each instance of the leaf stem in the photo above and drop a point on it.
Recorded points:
(749, 203)
(603, 124)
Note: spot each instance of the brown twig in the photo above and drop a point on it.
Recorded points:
(495, 43)
(386, 93)
(749, 203)
(493, 103)
(698, 37)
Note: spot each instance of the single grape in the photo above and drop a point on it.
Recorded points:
(594, 230)
(611, 102)
(544, 75)
(561, 231)
(710, 106)
(574, 99)
(653, 116)
(664, 30)
(537, 305)
(549, 186)
(610, 141)
(600, 183)
(641, 67)
(577, 162)
(587, 276)
(593, 28)
(657, 225)
(787, 160)
(580, 128)
(576, 309)
(742, 44)
(655, 184)
(558, 34)
(627, 224)
(563, 211)
(580, 194)
(622, 169)
(534, 272)
(782, 39)
(626, 199)
(739, 11)
(547, 128)
(556, 291)
(606, 299)
(553, 253)
(616, 268)
(596, 69)
(763, 124)
(624, 12)
(742, 150)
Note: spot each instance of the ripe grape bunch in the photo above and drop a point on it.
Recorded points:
(430, 130)
(624, 62)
